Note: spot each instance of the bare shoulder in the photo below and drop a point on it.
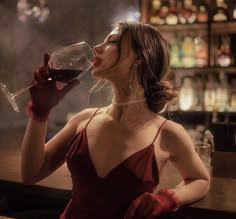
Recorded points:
(173, 128)
(81, 118)
(175, 138)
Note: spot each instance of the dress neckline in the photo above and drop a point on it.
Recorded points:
(120, 164)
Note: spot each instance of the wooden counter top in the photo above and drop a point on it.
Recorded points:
(221, 196)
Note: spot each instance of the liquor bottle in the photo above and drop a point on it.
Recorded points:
(220, 13)
(234, 11)
(188, 12)
(155, 12)
(199, 93)
(202, 13)
(210, 93)
(201, 51)
(222, 93)
(164, 11)
(172, 17)
(186, 94)
(224, 57)
(175, 52)
(188, 54)
(233, 95)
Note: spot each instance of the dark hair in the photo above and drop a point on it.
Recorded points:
(153, 54)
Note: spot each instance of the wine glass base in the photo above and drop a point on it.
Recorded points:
(10, 97)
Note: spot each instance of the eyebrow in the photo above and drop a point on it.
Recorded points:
(109, 36)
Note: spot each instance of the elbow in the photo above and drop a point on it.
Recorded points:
(27, 181)
(205, 185)
(208, 185)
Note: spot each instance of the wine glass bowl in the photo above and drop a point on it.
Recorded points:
(65, 65)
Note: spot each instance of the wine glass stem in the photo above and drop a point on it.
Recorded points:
(23, 89)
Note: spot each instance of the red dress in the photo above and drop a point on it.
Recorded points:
(108, 197)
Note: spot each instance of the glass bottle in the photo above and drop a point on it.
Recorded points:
(202, 14)
(186, 94)
(188, 12)
(172, 17)
(224, 58)
(199, 93)
(210, 93)
(222, 93)
(175, 52)
(220, 14)
(233, 95)
(155, 12)
(188, 54)
(201, 51)
(164, 11)
(234, 11)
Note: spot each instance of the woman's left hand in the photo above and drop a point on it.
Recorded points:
(149, 205)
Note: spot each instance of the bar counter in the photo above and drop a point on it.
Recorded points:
(54, 192)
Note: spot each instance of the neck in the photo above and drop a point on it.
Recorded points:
(130, 102)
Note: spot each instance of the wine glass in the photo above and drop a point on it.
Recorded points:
(65, 65)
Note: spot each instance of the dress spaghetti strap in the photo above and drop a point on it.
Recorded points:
(91, 118)
(159, 131)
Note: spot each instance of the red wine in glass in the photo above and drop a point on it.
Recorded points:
(65, 65)
(64, 75)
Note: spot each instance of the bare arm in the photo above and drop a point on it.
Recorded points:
(38, 160)
(195, 176)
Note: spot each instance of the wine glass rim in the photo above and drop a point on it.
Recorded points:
(75, 44)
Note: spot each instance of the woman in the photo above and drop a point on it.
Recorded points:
(116, 153)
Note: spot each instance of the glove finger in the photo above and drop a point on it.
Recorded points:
(146, 201)
(130, 213)
(38, 76)
(148, 210)
(42, 74)
(46, 59)
(69, 86)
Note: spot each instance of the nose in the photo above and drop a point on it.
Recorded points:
(97, 49)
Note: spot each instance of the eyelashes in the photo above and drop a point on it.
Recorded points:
(113, 41)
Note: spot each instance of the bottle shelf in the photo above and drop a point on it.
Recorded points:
(219, 39)
(199, 112)
(205, 70)
(223, 27)
(227, 27)
(181, 27)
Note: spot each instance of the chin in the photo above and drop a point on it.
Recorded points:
(97, 74)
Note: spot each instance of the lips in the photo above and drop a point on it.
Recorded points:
(96, 61)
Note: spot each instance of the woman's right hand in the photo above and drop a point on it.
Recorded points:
(45, 94)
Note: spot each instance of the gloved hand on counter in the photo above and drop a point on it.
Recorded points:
(46, 93)
(149, 205)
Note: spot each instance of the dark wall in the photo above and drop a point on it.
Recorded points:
(22, 46)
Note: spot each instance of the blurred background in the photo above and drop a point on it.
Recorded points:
(30, 28)
(201, 36)
(202, 41)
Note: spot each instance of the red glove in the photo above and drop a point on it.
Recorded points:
(149, 205)
(46, 93)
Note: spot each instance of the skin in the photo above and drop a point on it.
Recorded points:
(117, 132)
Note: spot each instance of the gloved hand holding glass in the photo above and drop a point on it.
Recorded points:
(65, 64)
